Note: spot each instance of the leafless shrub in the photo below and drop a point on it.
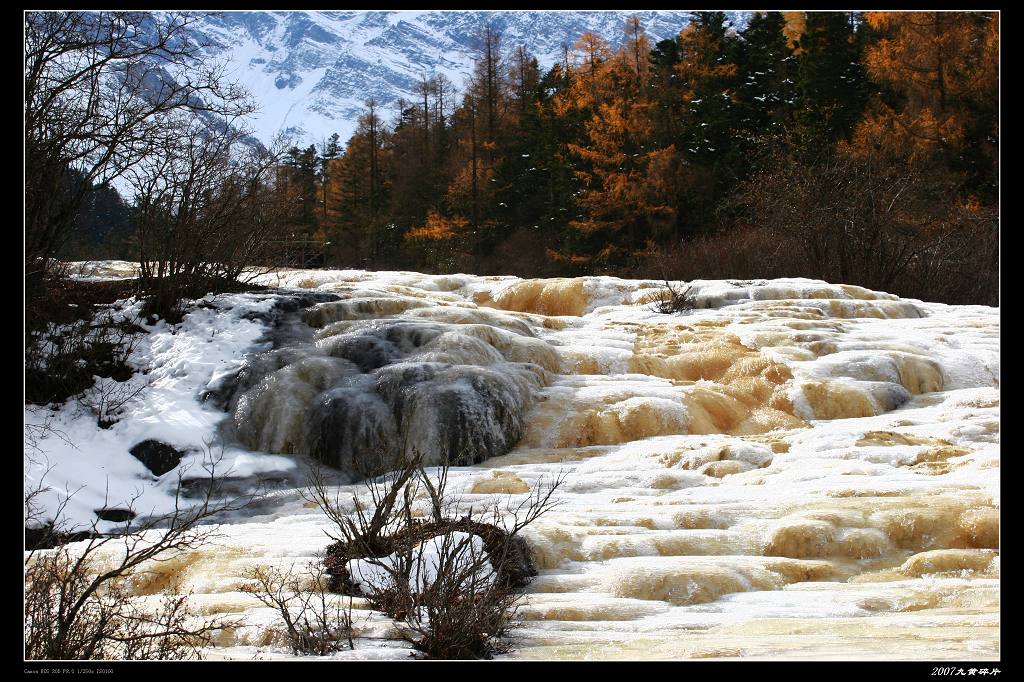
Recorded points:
(52, 368)
(35, 513)
(112, 344)
(316, 622)
(450, 580)
(459, 609)
(205, 208)
(671, 300)
(131, 96)
(61, 360)
(107, 398)
(354, 527)
(900, 227)
(78, 602)
(34, 433)
(883, 225)
(743, 252)
(66, 617)
(470, 608)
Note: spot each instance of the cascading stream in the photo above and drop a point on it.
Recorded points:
(375, 388)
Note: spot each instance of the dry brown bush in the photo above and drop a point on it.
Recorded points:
(451, 580)
(62, 359)
(899, 227)
(886, 226)
(316, 623)
(672, 300)
(98, 101)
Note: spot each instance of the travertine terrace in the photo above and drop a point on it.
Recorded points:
(793, 469)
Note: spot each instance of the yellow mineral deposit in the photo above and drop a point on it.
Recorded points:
(793, 469)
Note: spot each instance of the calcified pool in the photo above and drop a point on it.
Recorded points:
(791, 470)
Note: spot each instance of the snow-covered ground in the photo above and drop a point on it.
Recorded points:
(794, 469)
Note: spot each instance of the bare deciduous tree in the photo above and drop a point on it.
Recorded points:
(890, 226)
(100, 88)
(205, 206)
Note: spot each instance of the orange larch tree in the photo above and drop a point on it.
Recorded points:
(625, 182)
(940, 75)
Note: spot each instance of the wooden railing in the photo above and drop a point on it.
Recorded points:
(294, 252)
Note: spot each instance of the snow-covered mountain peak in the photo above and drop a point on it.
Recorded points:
(311, 72)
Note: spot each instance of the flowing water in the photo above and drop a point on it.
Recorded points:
(792, 469)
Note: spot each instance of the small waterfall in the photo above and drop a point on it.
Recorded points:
(369, 392)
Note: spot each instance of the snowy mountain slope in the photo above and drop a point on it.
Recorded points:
(311, 72)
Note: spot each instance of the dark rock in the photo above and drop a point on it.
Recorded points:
(382, 343)
(293, 302)
(463, 415)
(365, 352)
(891, 396)
(286, 328)
(290, 302)
(116, 515)
(46, 537)
(393, 381)
(406, 399)
(410, 336)
(458, 414)
(118, 371)
(157, 456)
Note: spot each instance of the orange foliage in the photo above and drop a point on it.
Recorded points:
(439, 227)
(557, 257)
(796, 22)
(944, 64)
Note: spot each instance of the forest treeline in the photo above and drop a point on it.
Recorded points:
(854, 147)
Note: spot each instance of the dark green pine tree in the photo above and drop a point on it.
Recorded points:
(833, 86)
(707, 78)
(103, 225)
(304, 165)
(534, 181)
(666, 92)
(766, 89)
(330, 151)
(411, 173)
(557, 129)
(524, 161)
